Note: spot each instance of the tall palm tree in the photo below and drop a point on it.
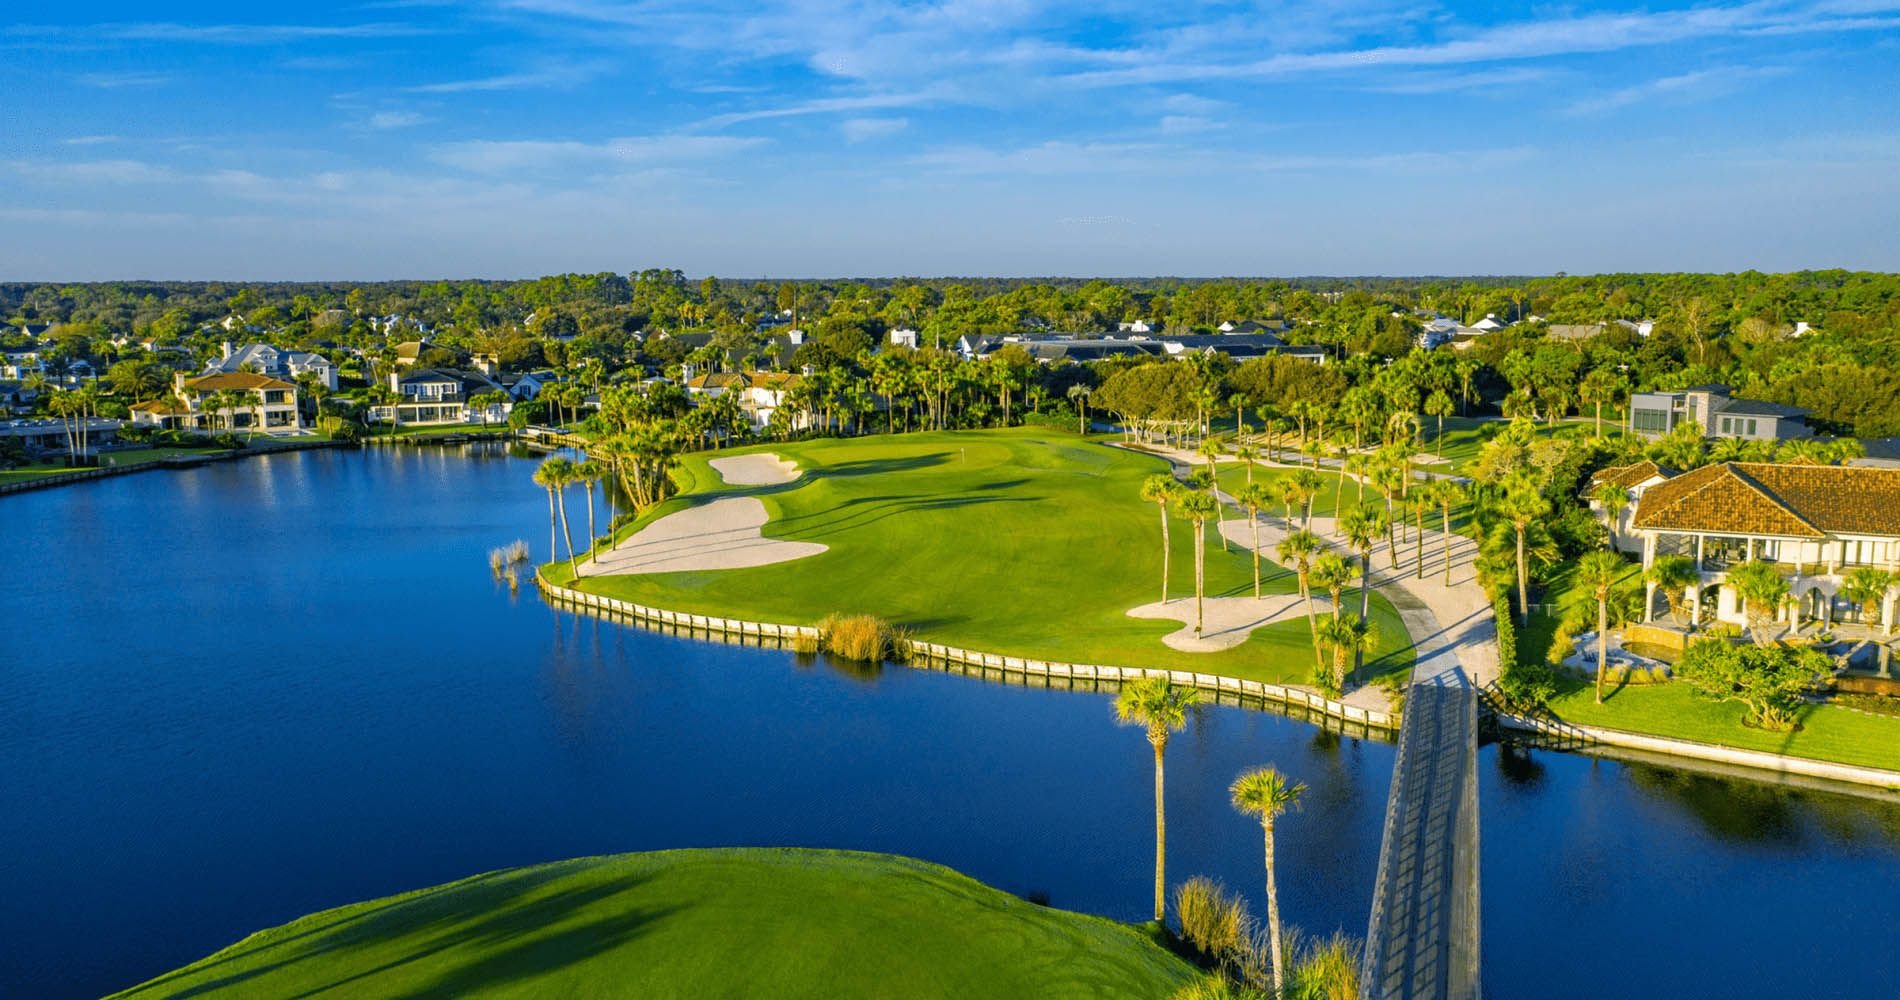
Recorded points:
(1248, 455)
(1160, 489)
(1598, 570)
(563, 474)
(1421, 501)
(1268, 794)
(1307, 485)
(589, 473)
(1332, 573)
(1673, 575)
(547, 475)
(1297, 550)
(1254, 496)
(1520, 505)
(1198, 506)
(1363, 525)
(1762, 590)
(1161, 708)
(1612, 498)
(1354, 636)
(1210, 449)
(1447, 493)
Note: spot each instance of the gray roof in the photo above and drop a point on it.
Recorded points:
(1761, 407)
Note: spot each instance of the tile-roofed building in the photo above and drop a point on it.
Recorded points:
(1633, 480)
(760, 394)
(1817, 522)
(223, 401)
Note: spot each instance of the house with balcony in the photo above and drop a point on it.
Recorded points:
(225, 401)
(1816, 522)
(760, 394)
(435, 396)
(277, 362)
(1634, 480)
(1720, 415)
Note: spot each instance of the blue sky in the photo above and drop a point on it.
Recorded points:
(416, 138)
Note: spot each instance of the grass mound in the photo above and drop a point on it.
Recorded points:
(702, 923)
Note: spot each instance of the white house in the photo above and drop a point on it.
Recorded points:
(1633, 480)
(1815, 522)
(443, 396)
(224, 401)
(277, 362)
(904, 337)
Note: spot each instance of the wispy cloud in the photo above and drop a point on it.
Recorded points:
(866, 129)
(1699, 85)
(1497, 81)
(115, 81)
(250, 34)
(386, 120)
(1186, 124)
(530, 155)
(91, 172)
(820, 106)
(90, 140)
(535, 79)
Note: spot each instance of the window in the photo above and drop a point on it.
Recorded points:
(1654, 421)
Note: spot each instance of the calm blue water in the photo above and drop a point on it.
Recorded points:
(237, 694)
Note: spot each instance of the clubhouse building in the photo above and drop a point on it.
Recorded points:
(1816, 522)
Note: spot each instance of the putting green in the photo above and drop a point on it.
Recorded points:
(702, 923)
(1021, 542)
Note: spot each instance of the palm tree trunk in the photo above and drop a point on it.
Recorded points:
(1418, 526)
(1161, 836)
(554, 551)
(1312, 621)
(591, 533)
(1603, 638)
(1523, 586)
(1253, 520)
(1447, 512)
(1273, 913)
(1200, 572)
(1166, 550)
(569, 535)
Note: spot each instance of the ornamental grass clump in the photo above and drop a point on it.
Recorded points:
(863, 637)
(806, 644)
(1215, 923)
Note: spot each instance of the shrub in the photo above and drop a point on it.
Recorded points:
(340, 428)
(863, 637)
(805, 644)
(1213, 922)
(1325, 969)
(1216, 986)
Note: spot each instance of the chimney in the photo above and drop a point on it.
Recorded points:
(227, 350)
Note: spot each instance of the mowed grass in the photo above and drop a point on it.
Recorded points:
(130, 456)
(1012, 542)
(700, 923)
(1333, 485)
(1828, 732)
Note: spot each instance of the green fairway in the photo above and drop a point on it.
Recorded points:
(1233, 478)
(703, 923)
(1011, 542)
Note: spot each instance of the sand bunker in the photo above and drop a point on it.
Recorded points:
(723, 534)
(763, 469)
(1230, 620)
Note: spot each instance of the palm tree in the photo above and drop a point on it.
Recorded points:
(1198, 506)
(1332, 572)
(1447, 493)
(1248, 455)
(1521, 505)
(1612, 498)
(547, 475)
(1867, 587)
(1307, 485)
(1762, 590)
(589, 473)
(1421, 501)
(1160, 489)
(1161, 708)
(562, 474)
(1297, 550)
(1210, 450)
(1363, 526)
(1347, 635)
(1266, 793)
(1598, 570)
(1673, 575)
(1254, 496)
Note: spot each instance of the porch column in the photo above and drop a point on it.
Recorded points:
(1886, 613)
(1649, 550)
(1694, 597)
(1698, 553)
(1748, 549)
(1649, 601)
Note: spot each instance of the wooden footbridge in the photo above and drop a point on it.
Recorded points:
(1422, 941)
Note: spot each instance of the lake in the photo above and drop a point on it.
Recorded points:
(236, 694)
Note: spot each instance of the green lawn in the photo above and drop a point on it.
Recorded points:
(1233, 478)
(1015, 542)
(701, 923)
(1827, 732)
(131, 456)
(1674, 710)
(1465, 437)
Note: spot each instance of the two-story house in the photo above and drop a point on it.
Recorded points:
(277, 362)
(443, 396)
(225, 401)
(1816, 522)
(1720, 415)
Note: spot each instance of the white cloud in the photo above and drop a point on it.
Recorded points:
(820, 106)
(552, 76)
(385, 120)
(514, 156)
(247, 34)
(1187, 124)
(115, 81)
(90, 140)
(1700, 85)
(866, 129)
(91, 172)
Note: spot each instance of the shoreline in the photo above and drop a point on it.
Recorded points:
(175, 462)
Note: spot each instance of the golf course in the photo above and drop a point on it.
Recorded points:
(1022, 542)
(697, 923)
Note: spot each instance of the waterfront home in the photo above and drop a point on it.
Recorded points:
(1633, 480)
(277, 362)
(760, 394)
(1720, 415)
(1816, 522)
(223, 401)
(435, 396)
(22, 363)
(529, 385)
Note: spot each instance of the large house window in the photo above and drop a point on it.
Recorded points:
(1656, 421)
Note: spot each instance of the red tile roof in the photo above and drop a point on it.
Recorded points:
(1788, 500)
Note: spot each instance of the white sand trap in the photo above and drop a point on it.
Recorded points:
(763, 469)
(1230, 620)
(723, 534)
